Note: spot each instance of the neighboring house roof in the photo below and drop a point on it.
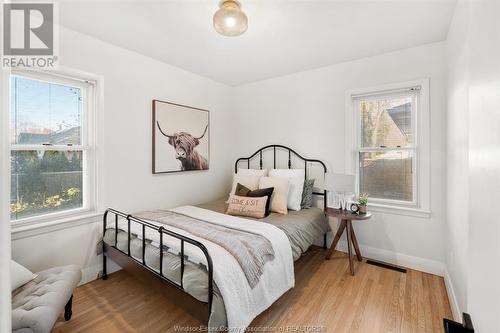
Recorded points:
(401, 115)
(70, 135)
(33, 138)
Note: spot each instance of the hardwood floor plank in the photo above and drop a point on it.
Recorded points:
(325, 295)
(392, 314)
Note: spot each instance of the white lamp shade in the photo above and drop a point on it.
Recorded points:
(338, 182)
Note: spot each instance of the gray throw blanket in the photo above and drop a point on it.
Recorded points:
(251, 250)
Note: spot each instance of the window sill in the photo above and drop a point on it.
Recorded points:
(399, 210)
(23, 230)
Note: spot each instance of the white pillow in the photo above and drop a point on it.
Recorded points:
(280, 193)
(296, 186)
(252, 172)
(251, 182)
(19, 275)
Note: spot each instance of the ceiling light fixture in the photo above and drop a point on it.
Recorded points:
(230, 20)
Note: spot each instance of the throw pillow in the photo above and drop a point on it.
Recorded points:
(246, 206)
(252, 182)
(296, 186)
(244, 191)
(19, 275)
(280, 194)
(307, 193)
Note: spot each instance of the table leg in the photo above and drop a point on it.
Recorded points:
(340, 230)
(349, 250)
(355, 243)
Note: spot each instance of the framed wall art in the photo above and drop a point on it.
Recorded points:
(181, 138)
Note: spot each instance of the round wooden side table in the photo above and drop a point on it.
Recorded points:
(346, 219)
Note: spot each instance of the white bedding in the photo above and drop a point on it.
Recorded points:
(242, 303)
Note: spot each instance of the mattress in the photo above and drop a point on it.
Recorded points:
(302, 228)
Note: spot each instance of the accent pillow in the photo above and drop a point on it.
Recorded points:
(252, 172)
(19, 275)
(307, 194)
(280, 194)
(245, 206)
(252, 182)
(244, 191)
(296, 186)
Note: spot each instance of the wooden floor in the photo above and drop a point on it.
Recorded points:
(326, 298)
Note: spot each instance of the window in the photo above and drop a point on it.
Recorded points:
(387, 152)
(390, 143)
(52, 153)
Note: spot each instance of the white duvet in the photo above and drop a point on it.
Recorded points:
(242, 303)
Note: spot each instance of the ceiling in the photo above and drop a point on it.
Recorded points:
(283, 36)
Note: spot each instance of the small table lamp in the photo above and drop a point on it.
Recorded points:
(340, 183)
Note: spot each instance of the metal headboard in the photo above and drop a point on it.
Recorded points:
(290, 151)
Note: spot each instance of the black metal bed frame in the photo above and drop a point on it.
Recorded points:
(113, 251)
(289, 164)
(200, 310)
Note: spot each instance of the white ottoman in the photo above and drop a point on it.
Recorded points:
(37, 305)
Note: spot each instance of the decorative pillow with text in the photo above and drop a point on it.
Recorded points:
(243, 191)
(247, 206)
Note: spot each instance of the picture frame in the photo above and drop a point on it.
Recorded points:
(180, 138)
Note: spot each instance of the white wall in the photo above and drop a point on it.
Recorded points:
(306, 112)
(457, 159)
(473, 255)
(129, 82)
(5, 245)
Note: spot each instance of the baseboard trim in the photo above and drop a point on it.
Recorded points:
(92, 273)
(452, 298)
(399, 259)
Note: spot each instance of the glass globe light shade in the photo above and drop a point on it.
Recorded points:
(230, 20)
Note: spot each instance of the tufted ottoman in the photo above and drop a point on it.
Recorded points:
(37, 305)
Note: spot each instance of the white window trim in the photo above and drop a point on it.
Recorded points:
(421, 208)
(29, 230)
(67, 218)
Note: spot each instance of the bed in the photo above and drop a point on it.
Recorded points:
(303, 228)
(195, 272)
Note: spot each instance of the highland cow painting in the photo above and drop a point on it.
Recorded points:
(181, 138)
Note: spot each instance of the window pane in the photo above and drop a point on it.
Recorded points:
(43, 112)
(386, 122)
(387, 175)
(45, 182)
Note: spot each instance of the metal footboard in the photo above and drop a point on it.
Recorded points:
(161, 230)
